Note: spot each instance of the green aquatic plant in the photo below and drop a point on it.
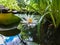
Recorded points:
(56, 11)
(11, 4)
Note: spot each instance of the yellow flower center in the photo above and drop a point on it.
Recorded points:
(30, 20)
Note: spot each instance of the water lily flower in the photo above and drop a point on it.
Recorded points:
(28, 20)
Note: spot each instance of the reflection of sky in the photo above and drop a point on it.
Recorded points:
(9, 39)
(12, 40)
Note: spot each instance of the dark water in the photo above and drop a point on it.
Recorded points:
(12, 29)
(10, 32)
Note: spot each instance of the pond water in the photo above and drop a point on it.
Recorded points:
(11, 30)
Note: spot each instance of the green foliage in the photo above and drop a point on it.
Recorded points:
(56, 11)
(43, 6)
(39, 6)
(52, 6)
(23, 32)
(11, 4)
(21, 3)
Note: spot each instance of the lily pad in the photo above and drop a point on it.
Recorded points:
(8, 18)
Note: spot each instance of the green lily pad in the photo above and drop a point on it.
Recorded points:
(8, 18)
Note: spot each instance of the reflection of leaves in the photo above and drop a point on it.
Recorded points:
(24, 35)
(23, 27)
(19, 26)
(24, 32)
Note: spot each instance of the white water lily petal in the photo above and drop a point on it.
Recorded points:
(17, 15)
(25, 16)
(34, 21)
(32, 25)
(23, 19)
(28, 17)
(22, 15)
(28, 25)
(25, 22)
(32, 16)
